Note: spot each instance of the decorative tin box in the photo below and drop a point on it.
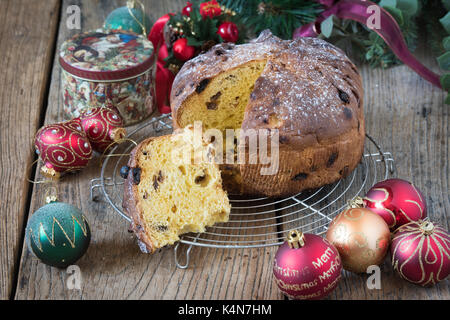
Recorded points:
(108, 68)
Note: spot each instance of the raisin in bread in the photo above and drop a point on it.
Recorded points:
(167, 193)
(305, 89)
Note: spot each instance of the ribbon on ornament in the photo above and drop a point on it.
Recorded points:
(164, 77)
(389, 31)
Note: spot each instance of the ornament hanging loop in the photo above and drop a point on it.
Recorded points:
(131, 4)
(106, 155)
(296, 239)
(51, 195)
(44, 170)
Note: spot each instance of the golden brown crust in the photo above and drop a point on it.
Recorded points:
(309, 91)
(130, 202)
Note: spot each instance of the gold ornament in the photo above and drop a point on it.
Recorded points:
(361, 237)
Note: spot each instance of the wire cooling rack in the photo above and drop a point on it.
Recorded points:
(255, 222)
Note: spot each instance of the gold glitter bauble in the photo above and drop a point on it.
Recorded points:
(361, 237)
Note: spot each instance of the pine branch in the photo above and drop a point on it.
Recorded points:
(282, 17)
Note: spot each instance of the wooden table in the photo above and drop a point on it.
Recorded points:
(404, 113)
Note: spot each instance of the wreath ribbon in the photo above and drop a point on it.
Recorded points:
(389, 31)
(164, 77)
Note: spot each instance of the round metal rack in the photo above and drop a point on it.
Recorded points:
(255, 222)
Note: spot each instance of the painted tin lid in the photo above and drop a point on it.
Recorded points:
(105, 55)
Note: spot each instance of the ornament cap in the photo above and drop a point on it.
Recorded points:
(131, 4)
(427, 227)
(296, 239)
(50, 173)
(118, 134)
(357, 202)
(50, 199)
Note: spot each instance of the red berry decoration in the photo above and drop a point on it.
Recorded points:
(397, 202)
(307, 267)
(210, 9)
(420, 253)
(182, 51)
(187, 9)
(103, 126)
(228, 32)
(63, 147)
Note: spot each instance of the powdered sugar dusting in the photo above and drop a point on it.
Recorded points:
(302, 84)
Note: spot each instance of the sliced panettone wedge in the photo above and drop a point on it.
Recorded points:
(173, 186)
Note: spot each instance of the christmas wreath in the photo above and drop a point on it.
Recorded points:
(345, 23)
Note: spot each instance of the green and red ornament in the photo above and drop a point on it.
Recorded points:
(420, 252)
(397, 201)
(131, 17)
(58, 234)
(306, 267)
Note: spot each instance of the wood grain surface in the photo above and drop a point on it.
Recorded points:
(404, 113)
(27, 36)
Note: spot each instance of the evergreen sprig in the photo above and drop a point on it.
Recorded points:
(282, 17)
(443, 38)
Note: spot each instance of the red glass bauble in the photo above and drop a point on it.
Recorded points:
(420, 253)
(228, 32)
(187, 9)
(182, 51)
(396, 201)
(103, 126)
(63, 147)
(307, 267)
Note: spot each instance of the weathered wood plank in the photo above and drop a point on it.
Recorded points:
(27, 38)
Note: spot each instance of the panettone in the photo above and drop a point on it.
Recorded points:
(305, 89)
(167, 193)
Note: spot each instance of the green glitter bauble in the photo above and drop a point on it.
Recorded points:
(121, 18)
(58, 234)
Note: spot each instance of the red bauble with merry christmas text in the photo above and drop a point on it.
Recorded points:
(228, 31)
(103, 126)
(63, 147)
(307, 267)
(420, 253)
(182, 51)
(397, 201)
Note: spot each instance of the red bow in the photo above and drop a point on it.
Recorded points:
(164, 77)
(358, 10)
